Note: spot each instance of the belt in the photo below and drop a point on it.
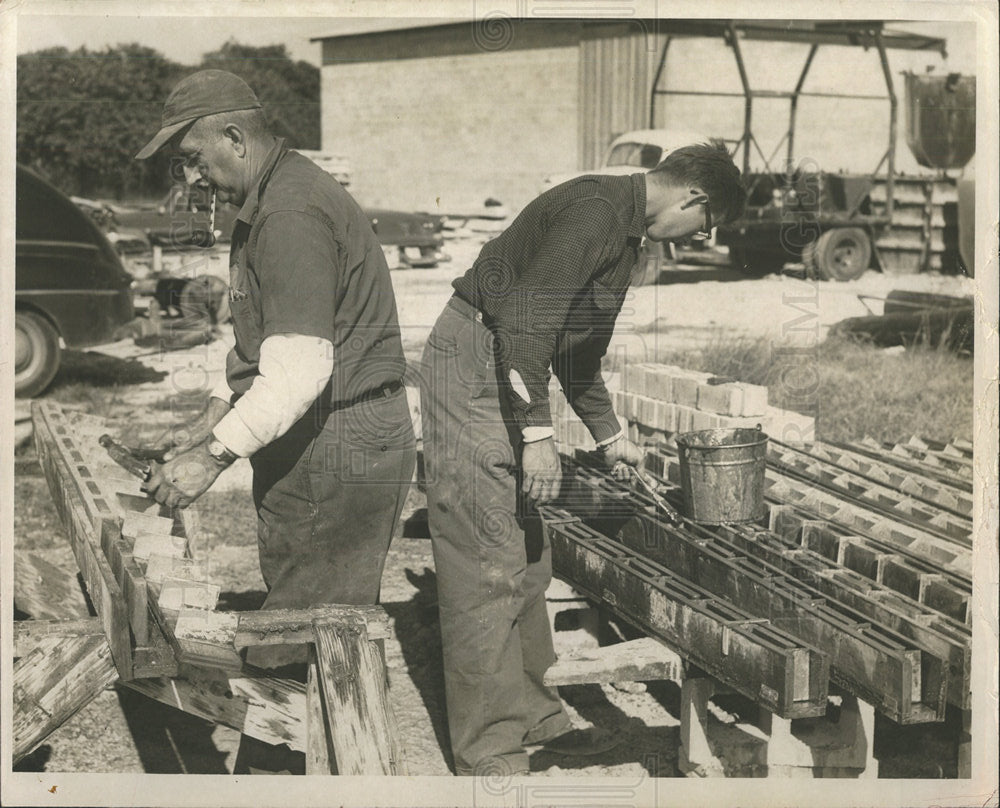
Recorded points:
(386, 390)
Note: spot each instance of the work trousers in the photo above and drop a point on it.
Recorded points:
(491, 558)
(328, 494)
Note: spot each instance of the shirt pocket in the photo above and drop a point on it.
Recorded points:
(247, 325)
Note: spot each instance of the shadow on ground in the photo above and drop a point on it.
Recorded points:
(101, 370)
(419, 636)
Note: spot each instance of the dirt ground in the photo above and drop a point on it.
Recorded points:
(125, 733)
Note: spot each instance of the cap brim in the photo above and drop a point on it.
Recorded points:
(160, 139)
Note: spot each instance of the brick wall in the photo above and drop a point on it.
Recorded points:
(432, 115)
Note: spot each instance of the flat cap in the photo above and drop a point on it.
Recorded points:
(206, 92)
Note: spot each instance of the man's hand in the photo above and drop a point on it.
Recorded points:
(620, 455)
(542, 471)
(185, 437)
(181, 480)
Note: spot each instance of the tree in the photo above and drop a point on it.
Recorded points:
(288, 90)
(82, 115)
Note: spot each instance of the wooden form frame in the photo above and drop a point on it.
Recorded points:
(159, 632)
(785, 675)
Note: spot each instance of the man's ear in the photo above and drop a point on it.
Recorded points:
(235, 135)
(695, 196)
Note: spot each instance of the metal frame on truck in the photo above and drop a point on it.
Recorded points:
(830, 221)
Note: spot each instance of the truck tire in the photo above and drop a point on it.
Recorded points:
(840, 254)
(36, 348)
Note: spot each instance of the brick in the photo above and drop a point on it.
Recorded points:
(647, 411)
(685, 389)
(633, 431)
(723, 399)
(754, 400)
(659, 383)
(703, 420)
(791, 427)
(669, 418)
(684, 418)
(635, 378)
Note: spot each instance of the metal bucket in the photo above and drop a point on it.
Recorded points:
(722, 474)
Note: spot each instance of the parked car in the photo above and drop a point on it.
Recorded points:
(70, 284)
(182, 220)
(639, 150)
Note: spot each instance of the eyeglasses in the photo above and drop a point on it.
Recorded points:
(706, 231)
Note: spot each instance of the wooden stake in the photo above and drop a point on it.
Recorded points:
(353, 683)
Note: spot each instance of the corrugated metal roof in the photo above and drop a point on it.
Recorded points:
(833, 32)
(360, 26)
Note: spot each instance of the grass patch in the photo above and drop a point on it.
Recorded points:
(852, 388)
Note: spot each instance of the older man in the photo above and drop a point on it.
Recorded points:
(313, 392)
(544, 294)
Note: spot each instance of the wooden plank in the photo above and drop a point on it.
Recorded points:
(320, 758)
(352, 679)
(58, 677)
(84, 535)
(631, 661)
(269, 709)
(294, 626)
(29, 633)
(46, 591)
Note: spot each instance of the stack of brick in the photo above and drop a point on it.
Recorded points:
(570, 433)
(668, 399)
(654, 401)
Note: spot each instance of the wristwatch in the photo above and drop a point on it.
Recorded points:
(217, 449)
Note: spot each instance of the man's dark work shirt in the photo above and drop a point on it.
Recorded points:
(551, 286)
(305, 260)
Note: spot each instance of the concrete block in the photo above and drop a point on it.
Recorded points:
(754, 400)
(723, 399)
(713, 743)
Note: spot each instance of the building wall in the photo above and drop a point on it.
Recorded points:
(441, 119)
(617, 66)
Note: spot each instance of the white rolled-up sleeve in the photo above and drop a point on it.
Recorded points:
(293, 370)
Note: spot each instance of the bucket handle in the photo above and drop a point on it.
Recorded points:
(683, 448)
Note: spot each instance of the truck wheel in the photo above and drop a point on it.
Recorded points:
(840, 254)
(36, 348)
